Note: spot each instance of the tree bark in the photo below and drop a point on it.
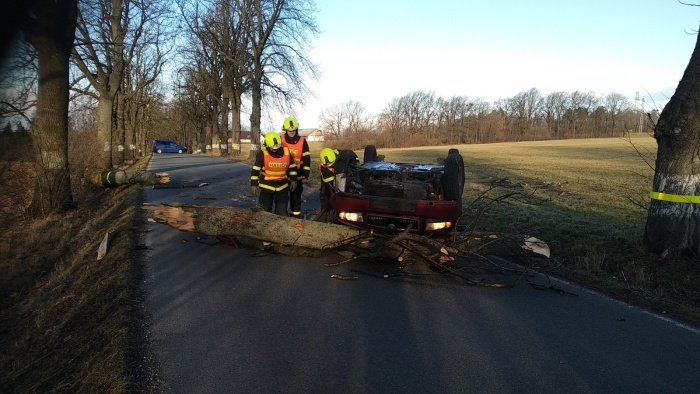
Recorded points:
(260, 225)
(672, 227)
(256, 90)
(105, 106)
(123, 177)
(52, 36)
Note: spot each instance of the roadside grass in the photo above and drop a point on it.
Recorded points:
(586, 199)
(69, 321)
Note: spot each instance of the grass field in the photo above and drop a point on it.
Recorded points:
(587, 199)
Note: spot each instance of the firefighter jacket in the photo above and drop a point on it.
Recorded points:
(273, 170)
(327, 173)
(299, 148)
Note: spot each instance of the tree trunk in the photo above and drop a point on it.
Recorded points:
(128, 177)
(224, 132)
(120, 128)
(260, 225)
(673, 221)
(52, 37)
(105, 106)
(236, 122)
(256, 91)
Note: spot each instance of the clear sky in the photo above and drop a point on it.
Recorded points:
(375, 51)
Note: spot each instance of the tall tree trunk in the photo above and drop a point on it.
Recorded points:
(236, 103)
(131, 132)
(224, 130)
(105, 106)
(256, 91)
(52, 36)
(120, 128)
(673, 221)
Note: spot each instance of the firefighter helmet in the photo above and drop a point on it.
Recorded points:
(327, 156)
(273, 140)
(290, 123)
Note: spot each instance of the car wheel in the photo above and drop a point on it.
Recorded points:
(179, 151)
(160, 151)
(453, 178)
(370, 153)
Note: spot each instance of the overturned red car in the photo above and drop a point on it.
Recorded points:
(390, 196)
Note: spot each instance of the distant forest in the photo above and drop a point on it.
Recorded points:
(420, 118)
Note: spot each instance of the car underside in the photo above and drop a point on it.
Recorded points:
(390, 196)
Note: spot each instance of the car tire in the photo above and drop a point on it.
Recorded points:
(159, 151)
(370, 154)
(453, 177)
(179, 151)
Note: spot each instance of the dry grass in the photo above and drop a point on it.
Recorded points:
(67, 319)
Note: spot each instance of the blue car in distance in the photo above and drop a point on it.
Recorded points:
(167, 146)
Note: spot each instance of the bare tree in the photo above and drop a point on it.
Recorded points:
(278, 36)
(524, 107)
(580, 107)
(109, 33)
(333, 120)
(135, 95)
(615, 104)
(347, 120)
(554, 108)
(217, 37)
(673, 221)
(453, 118)
(51, 32)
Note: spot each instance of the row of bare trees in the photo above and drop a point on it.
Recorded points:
(421, 117)
(241, 51)
(119, 54)
(103, 59)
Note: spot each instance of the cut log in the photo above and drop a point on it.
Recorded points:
(254, 224)
(122, 177)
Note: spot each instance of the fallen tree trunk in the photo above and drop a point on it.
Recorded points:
(123, 177)
(254, 224)
(293, 236)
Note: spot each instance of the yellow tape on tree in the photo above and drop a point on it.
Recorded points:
(675, 198)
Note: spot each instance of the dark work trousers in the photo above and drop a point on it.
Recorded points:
(325, 195)
(279, 198)
(295, 200)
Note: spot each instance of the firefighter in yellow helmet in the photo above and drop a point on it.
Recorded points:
(299, 148)
(334, 166)
(273, 173)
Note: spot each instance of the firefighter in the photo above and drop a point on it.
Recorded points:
(334, 167)
(273, 173)
(299, 149)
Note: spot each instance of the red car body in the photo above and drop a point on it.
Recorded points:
(395, 214)
(396, 196)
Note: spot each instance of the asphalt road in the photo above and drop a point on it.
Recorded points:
(226, 319)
